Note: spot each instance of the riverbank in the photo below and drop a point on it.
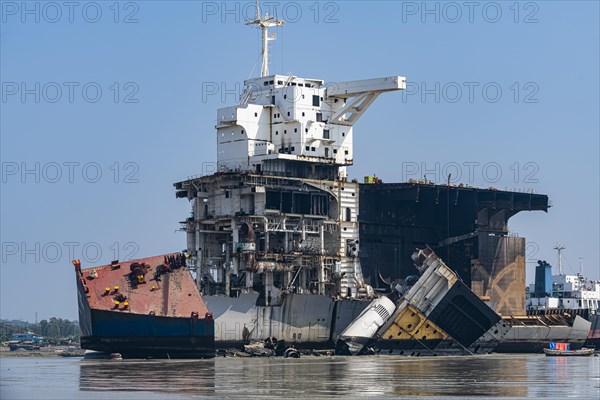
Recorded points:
(43, 352)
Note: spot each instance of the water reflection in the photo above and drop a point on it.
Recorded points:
(180, 377)
(577, 377)
(479, 376)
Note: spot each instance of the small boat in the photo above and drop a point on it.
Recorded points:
(560, 353)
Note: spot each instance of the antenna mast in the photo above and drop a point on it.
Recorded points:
(559, 248)
(264, 23)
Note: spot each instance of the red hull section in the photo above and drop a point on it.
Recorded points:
(149, 307)
(172, 292)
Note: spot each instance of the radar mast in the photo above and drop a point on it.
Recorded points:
(559, 248)
(264, 23)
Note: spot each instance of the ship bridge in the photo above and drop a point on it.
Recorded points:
(287, 126)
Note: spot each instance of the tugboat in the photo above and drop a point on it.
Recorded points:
(146, 308)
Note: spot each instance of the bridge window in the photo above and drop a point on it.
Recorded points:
(316, 101)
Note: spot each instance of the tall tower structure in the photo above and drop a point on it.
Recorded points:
(559, 248)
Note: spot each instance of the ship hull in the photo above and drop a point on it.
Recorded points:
(161, 315)
(304, 321)
(593, 339)
(313, 323)
(530, 346)
(146, 336)
(533, 339)
(316, 322)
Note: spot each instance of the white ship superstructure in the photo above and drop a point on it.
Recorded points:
(560, 290)
(286, 148)
(571, 292)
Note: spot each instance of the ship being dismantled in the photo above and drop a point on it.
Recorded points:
(144, 308)
(285, 245)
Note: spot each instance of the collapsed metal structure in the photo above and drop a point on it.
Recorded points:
(435, 315)
(467, 226)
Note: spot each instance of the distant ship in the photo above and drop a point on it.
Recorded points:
(564, 293)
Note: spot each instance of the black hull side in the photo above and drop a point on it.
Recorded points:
(529, 346)
(193, 347)
(593, 340)
(144, 336)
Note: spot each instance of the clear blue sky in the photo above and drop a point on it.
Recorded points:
(542, 56)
